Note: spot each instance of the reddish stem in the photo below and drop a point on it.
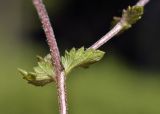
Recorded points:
(116, 29)
(60, 77)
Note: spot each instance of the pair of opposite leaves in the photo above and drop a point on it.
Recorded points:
(44, 72)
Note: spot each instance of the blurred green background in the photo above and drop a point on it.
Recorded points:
(126, 81)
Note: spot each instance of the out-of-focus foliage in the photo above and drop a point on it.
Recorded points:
(106, 87)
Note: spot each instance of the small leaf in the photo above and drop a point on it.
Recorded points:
(80, 58)
(42, 74)
(129, 16)
(132, 15)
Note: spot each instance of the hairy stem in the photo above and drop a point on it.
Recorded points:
(116, 29)
(61, 87)
(60, 77)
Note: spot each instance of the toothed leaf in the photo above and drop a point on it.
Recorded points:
(42, 74)
(80, 58)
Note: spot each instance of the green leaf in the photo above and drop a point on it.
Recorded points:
(129, 16)
(42, 74)
(132, 15)
(80, 58)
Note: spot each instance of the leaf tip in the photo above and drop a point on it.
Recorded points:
(22, 72)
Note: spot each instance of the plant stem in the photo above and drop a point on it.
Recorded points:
(60, 76)
(142, 2)
(62, 93)
(116, 29)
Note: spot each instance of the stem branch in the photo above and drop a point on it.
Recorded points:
(60, 76)
(116, 29)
